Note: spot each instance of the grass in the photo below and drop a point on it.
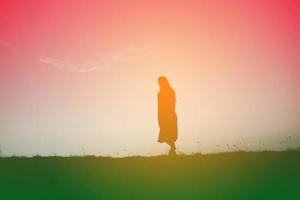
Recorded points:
(238, 175)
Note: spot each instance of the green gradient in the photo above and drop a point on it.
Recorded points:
(240, 175)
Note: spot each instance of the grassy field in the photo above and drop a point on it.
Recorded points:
(239, 175)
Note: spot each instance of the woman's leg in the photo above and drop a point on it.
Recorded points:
(172, 148)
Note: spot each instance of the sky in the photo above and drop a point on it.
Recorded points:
(80, 77)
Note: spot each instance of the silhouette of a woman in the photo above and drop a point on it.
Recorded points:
(167, 118)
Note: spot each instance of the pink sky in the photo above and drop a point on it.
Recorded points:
(82, 74)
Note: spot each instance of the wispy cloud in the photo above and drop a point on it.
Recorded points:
(70, 65)
(98, 61)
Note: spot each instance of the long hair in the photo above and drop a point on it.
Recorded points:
(165, 87)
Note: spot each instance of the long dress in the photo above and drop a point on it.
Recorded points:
(167, 117)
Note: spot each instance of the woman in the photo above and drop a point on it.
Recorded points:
(167, 118)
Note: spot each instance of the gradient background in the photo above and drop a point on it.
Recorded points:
(80, 77)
